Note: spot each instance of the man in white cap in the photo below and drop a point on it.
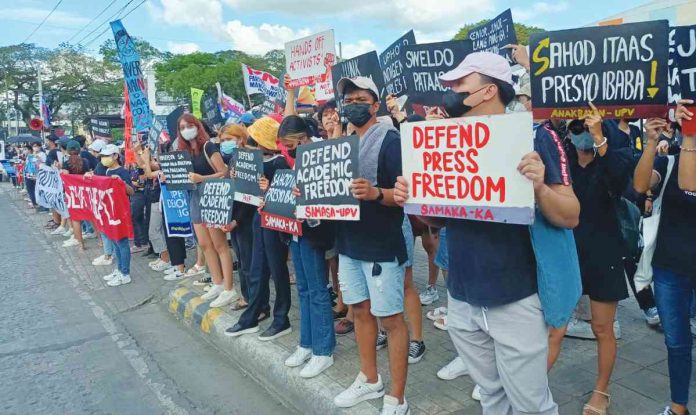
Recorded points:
(494, 313)
(372, 251)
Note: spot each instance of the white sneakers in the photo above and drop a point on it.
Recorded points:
(476, 394)
(160, 266)
(174, 275)
(225, 298)
(214, 291)
(58, 231)
(71, 242)
(89, 235)
(299, 357)
(316, 365)
(360, 391)
(429, 295)
(391, 406)
(119, 279)
(109, 277)
(453, 370)
(68, 232)
(103, 260)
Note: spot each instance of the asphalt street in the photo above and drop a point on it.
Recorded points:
(64, 350)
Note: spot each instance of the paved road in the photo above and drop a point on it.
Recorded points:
(65, 348)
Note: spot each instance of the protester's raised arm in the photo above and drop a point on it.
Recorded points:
(644, 177)
(687, 159)
(290, 99)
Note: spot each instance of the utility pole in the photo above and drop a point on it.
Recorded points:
(41, 100)
(7, 105)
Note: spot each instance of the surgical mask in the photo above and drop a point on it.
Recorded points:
(357, 114)
(107, 161)
(37, 149)
(227, 147)
(189, 133)
(582, 141)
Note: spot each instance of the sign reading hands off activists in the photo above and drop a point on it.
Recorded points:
(248, 169)
(366, 65)
(325, 173)
(392, 63)
(621, 69)
(309, 60)
(492, 36)
(279, 208)
(176, 166)
(466, 168)
(217, 196)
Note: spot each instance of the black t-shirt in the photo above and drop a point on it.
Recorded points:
(272, 164)
(200, 162)
(100, 170)
(120, 172)
(52, 157)
(493, 264)
(90, 158)
(675, 249)
(377, 236)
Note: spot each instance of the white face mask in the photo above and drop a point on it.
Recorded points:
(189, 133)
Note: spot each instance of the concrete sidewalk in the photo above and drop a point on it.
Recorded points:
(640, 382)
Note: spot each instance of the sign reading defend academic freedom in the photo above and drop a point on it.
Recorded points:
(492, 36)
(309, 60)
(279, 209)
(248, 169)
(176, 166)
(621, 69)
(325, 172)
(392, 63)
(217, 197)
(466, 168)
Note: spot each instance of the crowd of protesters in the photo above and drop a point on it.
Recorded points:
(359, 274)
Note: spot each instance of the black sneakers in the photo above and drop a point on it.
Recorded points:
(273, 333)
(238, 330)
(381, 340)
(416, 350)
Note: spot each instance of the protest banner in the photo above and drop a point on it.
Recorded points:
(366, 65)
(683, 53)
(100, 200)
(229, 108)
(172, 120)
(248, 169)
(133, 77)
(210, 110)
(217, 197)
(492, 36)
(158, 133)
(176, 166)
(325, 172)
(279, 208)
(260, 82)
(100, 129)
(323, 91)
(49, 190)
(466, 168)
(309, 60)
(196, 97)
(423, 65)
(176, 212)
(621, 69)
(392, 63)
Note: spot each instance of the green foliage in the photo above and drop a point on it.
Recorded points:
(521, 30)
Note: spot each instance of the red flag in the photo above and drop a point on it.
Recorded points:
(100, 200)
(128, 129)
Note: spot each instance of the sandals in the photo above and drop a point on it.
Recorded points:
(437, 313)
(239, 305)
(441, 323)
(589, 409)
(195, 270)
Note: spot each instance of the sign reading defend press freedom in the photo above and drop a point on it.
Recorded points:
(423, 65)
(217, 197)
(325, 172)
(279, 208)
(366, 65)
(466, 168)
(621, 69)
(176, 166)
(492, 36)
(309, 60)
(392, 63)
(248, 169)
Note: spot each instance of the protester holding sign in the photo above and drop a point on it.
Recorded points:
(491, 301)
(674, 256)
(75, 164)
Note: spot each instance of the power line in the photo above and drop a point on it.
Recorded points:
(43, 21)
(104, 22)
(92, 21)
(122, 17)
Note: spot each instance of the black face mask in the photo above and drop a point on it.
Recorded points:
(293, 152)
(357, 114)
(454, 103)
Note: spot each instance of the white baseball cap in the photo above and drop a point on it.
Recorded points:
(109, 150)
(484, 63)
(361, 82)
(97, 145)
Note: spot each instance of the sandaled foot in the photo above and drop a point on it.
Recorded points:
(598, 404)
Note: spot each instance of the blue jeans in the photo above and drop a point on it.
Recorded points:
(123, 255)
(87, 227)
(673, 294)
(108, 246)
(316, 317)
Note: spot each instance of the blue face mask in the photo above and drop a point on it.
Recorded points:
(227, 147)
(582, 141)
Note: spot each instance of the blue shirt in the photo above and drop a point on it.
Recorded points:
(493, 264)
(120, 172)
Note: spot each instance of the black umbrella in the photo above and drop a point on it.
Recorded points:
(23, 138)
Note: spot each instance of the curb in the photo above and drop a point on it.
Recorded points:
(262, 361)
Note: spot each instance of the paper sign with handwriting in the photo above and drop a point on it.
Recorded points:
(309, 60)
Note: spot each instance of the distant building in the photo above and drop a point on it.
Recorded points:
(678, 12)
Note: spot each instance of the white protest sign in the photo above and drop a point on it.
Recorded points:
(49, 190)
(309, 60)
(466, 168)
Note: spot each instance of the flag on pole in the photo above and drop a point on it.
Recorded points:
(196, 96)
(230, 108)
(45, 112)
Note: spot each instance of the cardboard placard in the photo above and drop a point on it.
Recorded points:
(100, 128)
(392, 63)
(196, 97)
(622, 69)
(466, 168)
(309, 60)
(325, 172)
(279, 208)
(176, 166)
(158, 129)
(176, 212)
(492, 36)
(217, 197)
(366, 65)
(682, 61)
(248, 168)
(423, 65)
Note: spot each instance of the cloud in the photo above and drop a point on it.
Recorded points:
(260, 39)
(204, 14)
(351, 50)
(183, 48)
(537, 9)
(32, 14)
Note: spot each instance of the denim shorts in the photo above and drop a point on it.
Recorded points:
(407, 230)
(385, 291)
(442, 256)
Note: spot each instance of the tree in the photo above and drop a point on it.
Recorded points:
(521, 30)
(147, 52)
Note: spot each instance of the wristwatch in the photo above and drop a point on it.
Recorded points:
(380, 197)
